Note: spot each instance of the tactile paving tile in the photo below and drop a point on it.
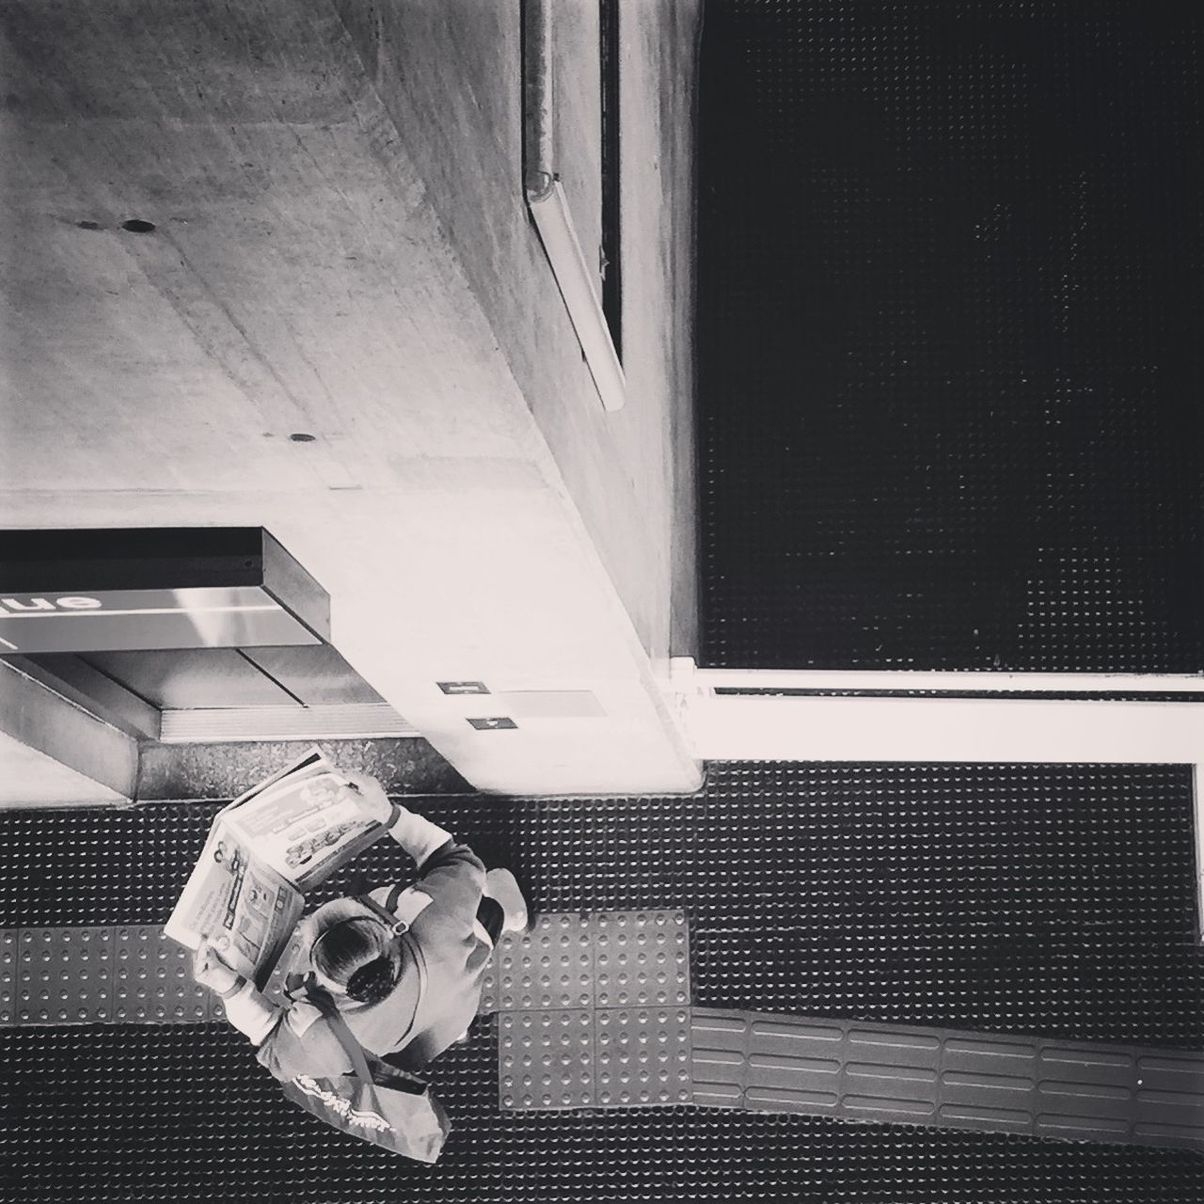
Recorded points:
(795, 1067)
(1170, 1099)
(643, 1056)
(601, 959)
(550, 966)
(9, 939)
(546, 1059)
(719, 1053)
(996, 1083)
(131, 974)
(64, 976)
(641, 959)
(154, 983)
(627, 973)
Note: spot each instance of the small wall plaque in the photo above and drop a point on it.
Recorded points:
(463, 687)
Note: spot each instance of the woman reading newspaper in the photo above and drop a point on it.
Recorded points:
(403, 967)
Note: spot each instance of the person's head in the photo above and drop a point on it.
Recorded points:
(360, 956)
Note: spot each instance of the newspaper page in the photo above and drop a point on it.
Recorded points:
(264, 850)
(305, 823)
(240, 906)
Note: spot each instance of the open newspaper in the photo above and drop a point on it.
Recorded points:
(263, 853)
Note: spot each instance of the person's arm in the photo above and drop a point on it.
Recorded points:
(454, 877)
(289, 1041)
(301, 1040)
(451, 873)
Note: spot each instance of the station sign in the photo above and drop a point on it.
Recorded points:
(216, 588)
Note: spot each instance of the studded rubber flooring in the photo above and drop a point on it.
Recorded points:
(1055, 901)
(947, 381)
(594, 1012)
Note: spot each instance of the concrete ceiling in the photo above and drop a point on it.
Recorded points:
(341, 327)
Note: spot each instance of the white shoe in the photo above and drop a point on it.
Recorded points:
(501, 885)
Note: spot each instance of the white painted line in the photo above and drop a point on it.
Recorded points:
(918, 679)
(761, 727)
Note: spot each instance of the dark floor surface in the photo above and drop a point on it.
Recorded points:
(950, 260)
(1053, 900)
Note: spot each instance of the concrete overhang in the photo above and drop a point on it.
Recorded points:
(342, 328)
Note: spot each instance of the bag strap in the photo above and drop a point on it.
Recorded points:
(400, 909)
(396, 924)
(419, 962)
(353, 1049)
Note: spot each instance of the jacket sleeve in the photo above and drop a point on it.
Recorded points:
(304, 1043)
(451, 873)
(290, 1041)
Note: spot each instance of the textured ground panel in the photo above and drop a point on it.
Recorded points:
(161, 1114)
(594, 1011)
(1035, 899)
(592, 960)
(926, 1076)
(1048, 900)
(950, 255)
(575, 1058)
(127, 974)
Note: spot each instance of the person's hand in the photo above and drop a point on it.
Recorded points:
(371, 797)
(210, 971)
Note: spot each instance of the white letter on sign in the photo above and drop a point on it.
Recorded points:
(79, 603)
(33, 604)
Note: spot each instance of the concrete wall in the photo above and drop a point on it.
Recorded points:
(32, 779)
(341, 251)
(448, 71)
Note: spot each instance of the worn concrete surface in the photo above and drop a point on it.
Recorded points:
(32, 779)
(52, 750)
(403, 765)
(340, 250)
(630, 473)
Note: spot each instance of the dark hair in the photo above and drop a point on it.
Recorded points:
(355, 954)
(373, 982)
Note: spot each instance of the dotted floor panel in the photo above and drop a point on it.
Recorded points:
(128, 974)
(1054, 900)
(947, 393)
(593, 1011)
(604, 1058)
(546, 1059)
(641, 961)
(643, 1056)
(615, 959)
(993, 1083)
(552, 966)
